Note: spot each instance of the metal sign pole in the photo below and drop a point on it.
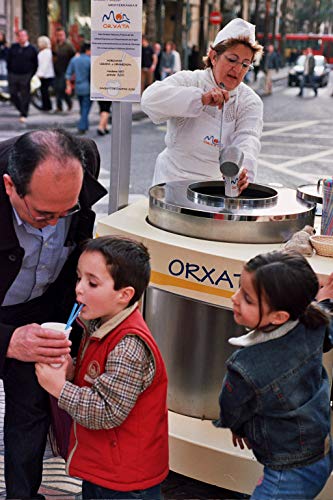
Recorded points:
(115, 76)
(120, 155)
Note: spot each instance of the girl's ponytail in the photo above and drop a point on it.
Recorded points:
(314, 316)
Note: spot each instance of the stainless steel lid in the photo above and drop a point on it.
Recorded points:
(200, 210)
(310, 192)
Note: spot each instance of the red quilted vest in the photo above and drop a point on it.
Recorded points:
(134, 455)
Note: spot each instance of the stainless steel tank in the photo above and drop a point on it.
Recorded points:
(200, 210)
(192, 334)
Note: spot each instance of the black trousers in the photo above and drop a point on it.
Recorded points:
(26, 408)
(59, 88)
(46, 83)
(19, 89)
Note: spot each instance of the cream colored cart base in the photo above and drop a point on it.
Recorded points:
(202, 452)
(197, 449)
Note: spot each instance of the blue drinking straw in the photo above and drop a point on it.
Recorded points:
(73, 315)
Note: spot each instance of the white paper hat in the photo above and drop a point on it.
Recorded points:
(236, 28)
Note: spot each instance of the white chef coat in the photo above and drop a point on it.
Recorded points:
(193, 130)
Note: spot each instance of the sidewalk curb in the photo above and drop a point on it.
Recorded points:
(9, 122)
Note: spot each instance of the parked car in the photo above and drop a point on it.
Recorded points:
(321, 71)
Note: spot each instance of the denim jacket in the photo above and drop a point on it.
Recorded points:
(276, 394)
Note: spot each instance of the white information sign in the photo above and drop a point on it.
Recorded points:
(116, 29)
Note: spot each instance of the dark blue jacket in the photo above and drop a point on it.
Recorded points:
(22, 60)
(276, 394)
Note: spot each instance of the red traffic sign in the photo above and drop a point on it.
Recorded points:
(215, 17)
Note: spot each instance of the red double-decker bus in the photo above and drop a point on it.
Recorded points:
(320, 44)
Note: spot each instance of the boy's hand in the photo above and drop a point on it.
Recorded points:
(70, 370)
(237, 440)
(50, 378)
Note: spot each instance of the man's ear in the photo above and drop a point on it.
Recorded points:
(9, 184)
(279, 317)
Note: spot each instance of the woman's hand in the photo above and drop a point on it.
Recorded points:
(243, 181)
(215, 97)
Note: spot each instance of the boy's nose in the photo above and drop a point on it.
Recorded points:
(234, 297)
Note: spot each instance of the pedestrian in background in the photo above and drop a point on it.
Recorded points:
(79, 68)
(275, 396)
(47, 187)
(272, 62)
(148, 63)
(117, 397)
(3, 55)
(22, 64)
(178, 63)
(257, 65)
(193, 60)
(62, 54)
(308, 77)
(167, 61)
(158, 53)
(45, 70)
(104, 116)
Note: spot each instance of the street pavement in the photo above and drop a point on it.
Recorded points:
(9, 116)
(56, 484)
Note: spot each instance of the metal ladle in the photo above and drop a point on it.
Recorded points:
(227, 167)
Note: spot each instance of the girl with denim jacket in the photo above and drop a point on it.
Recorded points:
(275, 396)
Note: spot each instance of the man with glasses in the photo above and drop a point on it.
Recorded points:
(48, 185)
(207, 110)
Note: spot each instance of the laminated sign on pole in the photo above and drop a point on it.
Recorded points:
(116, 30)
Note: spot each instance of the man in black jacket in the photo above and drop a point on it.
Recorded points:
(48, 185)
(22, 64)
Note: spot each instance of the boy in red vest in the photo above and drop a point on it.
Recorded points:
(119, 437)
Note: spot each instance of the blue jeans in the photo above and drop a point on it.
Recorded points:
(308, 79)
(92, 491)
(85, 105)
(299, 483)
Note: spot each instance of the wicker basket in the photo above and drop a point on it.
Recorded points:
(323, 245)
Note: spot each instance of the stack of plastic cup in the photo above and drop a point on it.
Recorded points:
(327, 215)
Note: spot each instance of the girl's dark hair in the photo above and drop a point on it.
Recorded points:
(127, 261)
(288, 283)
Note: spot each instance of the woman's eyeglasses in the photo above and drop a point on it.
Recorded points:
(234, 61)
(52, 216)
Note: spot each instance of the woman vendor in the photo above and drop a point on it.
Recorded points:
(192, 102)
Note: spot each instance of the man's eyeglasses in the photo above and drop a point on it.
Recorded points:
(234, 60)
(52, 216)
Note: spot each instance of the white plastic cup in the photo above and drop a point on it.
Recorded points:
(231, 188)
(58, 327)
